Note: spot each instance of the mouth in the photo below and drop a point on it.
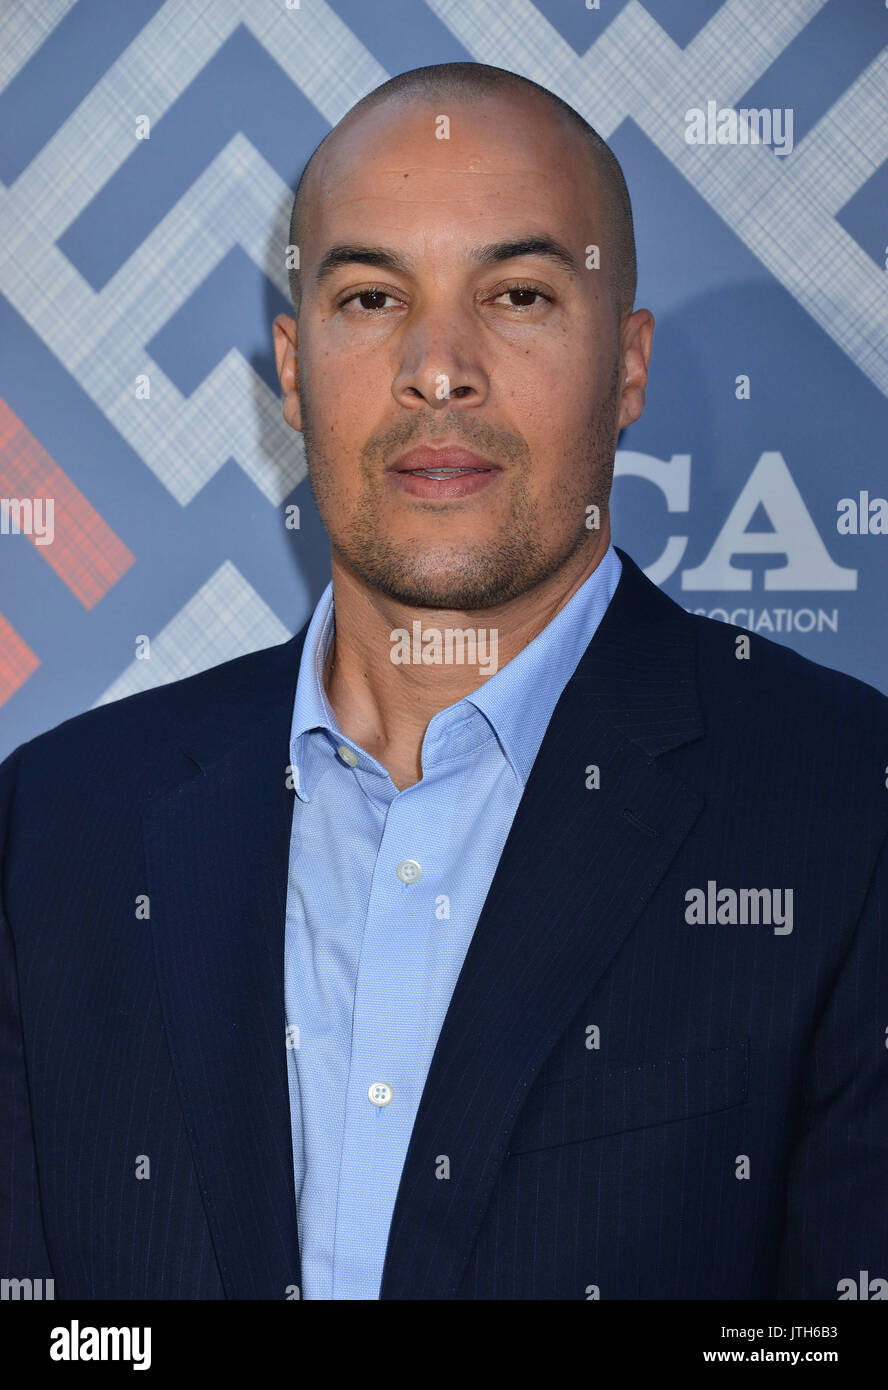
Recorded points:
(442, 463)
(441, 473)
(447, 473)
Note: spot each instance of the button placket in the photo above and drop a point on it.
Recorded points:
(400, 940)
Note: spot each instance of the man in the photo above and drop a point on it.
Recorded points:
(509, 933)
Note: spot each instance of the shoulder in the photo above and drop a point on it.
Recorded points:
(793, 738)
(745, 679)
(744, 671)
(138, 740)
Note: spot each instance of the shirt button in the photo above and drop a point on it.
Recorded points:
(409, 871)
(380, 1093)
(347, 755)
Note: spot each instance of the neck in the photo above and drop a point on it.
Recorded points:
(385, 707)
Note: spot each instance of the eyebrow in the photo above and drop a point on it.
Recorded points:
(543, 246)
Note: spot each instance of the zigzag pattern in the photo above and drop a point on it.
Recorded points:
(110, 335)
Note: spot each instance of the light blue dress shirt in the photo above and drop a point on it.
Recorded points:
(385, 890)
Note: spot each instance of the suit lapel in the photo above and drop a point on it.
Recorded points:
(217, 857)
(577, 869)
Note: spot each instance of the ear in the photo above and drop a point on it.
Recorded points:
(636, 339)
(285, 335)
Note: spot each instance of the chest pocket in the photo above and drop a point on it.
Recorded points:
(601, 1102)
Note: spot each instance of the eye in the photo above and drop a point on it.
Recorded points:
(524, 290)
(372, 293)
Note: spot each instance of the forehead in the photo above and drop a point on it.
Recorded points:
(505, 160)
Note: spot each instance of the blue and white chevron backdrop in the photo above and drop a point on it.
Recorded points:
(148, 150)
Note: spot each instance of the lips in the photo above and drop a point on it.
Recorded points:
(450, 462)
(448, 475)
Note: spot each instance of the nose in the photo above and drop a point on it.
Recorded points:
(440, 361)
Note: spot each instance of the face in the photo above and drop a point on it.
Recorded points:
(519, 359)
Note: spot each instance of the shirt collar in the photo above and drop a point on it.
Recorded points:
(517, 701)
(311, 708)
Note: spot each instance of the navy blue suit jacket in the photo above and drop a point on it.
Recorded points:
(633, 1105)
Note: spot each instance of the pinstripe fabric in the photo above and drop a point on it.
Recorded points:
(726, 1137)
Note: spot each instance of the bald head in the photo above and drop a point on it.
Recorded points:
(591, 161)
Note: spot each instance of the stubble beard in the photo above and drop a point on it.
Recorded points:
(481, 575)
